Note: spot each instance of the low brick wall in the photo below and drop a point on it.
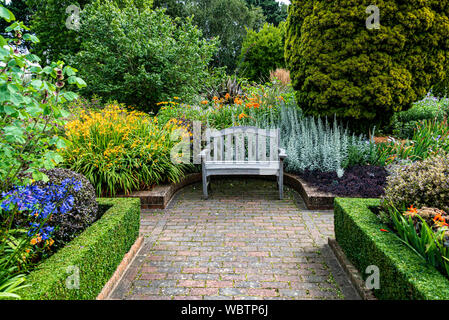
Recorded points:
(313, 198)
(160, 196)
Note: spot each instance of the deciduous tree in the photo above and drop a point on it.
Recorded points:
(141, 57)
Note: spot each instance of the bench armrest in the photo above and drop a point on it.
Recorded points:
(203, 153)
(282, 154)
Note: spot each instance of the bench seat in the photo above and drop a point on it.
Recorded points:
(246, 150)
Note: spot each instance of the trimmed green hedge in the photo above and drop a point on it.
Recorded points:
(96, 252)
(403, 274)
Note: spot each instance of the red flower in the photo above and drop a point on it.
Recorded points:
(383, 230)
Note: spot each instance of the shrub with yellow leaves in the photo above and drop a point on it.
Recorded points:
(122, 151)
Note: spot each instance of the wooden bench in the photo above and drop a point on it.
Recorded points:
(243, 151)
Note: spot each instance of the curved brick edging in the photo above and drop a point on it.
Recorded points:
(121, 269)
(313, 198)
(160, 196)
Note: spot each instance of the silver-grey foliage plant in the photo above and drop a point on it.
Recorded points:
(314, 144)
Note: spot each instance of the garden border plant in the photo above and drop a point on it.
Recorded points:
(403, 274)
(96, 252)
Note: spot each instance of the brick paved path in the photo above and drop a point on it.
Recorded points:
(242, 243)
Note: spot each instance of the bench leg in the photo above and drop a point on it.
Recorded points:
(204, 182)
(281, 184)
(205, 188)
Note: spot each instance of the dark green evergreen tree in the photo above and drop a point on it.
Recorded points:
(339, 66)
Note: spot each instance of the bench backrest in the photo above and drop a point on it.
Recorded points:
(243, 144)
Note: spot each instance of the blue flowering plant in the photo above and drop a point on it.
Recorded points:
(26, 230)
(31, 98)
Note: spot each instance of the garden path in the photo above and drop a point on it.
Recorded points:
(242, 243)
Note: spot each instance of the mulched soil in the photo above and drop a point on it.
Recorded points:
(358, 181)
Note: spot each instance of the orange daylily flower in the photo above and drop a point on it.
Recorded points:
(440, 221)
(412, 209)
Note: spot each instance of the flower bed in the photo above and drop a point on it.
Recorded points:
(358, 181)
(122, 151)
(403, 274)
(94, 255)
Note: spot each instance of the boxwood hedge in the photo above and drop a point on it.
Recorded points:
(403, 274)
(94, 255)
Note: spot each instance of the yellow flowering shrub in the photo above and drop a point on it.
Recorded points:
(121, 151)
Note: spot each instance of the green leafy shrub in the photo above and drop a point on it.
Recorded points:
(49, 19)
(441, 89)
(95, 254)
(430, 138)
(422, 184)
(141, 57)
(30, 97)
(262, 52)
(30, 110)
(404, 275)
(360, 152)
(338, 66)
(405, 123)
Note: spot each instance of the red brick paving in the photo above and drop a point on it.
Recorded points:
(242, 243)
